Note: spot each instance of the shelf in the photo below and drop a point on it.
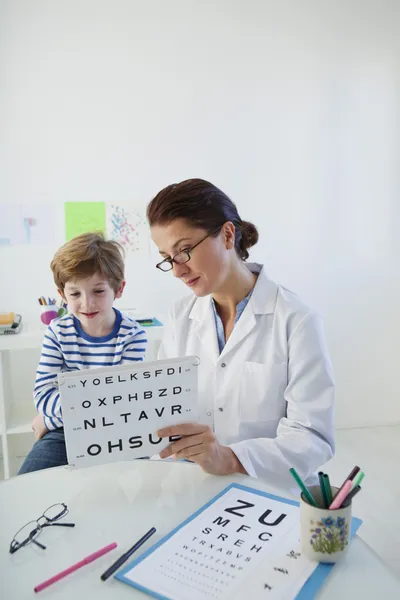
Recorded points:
(18, 448)
(30, 336)
(20, 419)
(15, 465)
(23, 428)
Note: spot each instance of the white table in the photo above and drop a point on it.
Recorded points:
(120, 502)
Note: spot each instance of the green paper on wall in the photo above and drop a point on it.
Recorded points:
(84, 217)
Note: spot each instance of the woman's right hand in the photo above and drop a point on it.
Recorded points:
(198, 443)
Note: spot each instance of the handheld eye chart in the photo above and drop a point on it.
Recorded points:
(244, 543)
(113, 414)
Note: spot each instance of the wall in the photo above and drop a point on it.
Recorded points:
(291, 107)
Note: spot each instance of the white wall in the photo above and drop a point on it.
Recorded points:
(291, 107)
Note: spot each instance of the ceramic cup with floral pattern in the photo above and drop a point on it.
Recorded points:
(324, 534)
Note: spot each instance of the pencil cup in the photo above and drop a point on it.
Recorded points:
(48, 313)
(324, 534)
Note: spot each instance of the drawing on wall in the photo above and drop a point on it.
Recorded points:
(84, 217)
(26, 224)
(128, 226)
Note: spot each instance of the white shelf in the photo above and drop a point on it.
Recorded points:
(20, 419)
(31, 336)
(23, 428)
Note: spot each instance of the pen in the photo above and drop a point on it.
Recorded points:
(350, 477)
(341, 495)
(351, 495)
(303, 488)
(328, 489)
(323, 490)
(120, 561)
(75, 567)
(358, 479)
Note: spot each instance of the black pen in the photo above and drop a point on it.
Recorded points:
(118, 563)
(350, 496)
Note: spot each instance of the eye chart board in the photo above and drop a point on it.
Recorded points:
(244, 543)
(113, 413)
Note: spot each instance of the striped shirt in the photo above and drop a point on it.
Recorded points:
(66, 347)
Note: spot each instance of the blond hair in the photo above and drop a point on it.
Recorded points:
(87, 255)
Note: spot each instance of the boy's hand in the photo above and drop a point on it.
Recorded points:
(38, 427)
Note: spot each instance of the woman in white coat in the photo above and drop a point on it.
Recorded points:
(266, 387)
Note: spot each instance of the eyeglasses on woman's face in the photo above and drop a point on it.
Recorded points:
(183, 256)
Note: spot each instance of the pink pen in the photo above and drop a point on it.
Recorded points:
(341, 496)
(75, 567)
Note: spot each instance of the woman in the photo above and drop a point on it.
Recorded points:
(266, 387)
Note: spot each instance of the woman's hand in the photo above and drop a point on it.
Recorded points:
(38, 427)
(199, 444)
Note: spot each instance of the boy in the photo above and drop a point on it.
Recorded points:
(89, 274)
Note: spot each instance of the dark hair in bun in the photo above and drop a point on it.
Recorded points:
(248, 238)
(203, 205)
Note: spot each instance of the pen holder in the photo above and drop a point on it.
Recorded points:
(48, 313)
(324, 534)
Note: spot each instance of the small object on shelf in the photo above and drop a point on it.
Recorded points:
(150, 322)
(6, 319)
(11, 327)
(48, 313)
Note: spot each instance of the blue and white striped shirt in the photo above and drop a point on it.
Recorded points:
(66, 347)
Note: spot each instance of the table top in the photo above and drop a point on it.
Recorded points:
(120, 502)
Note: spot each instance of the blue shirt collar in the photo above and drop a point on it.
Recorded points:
(104, 338)
(218, 322)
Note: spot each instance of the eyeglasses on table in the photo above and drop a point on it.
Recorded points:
(31, 531)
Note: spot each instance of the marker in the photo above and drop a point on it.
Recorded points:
(350, 496)
(303, 488)
(328, 489)
(127, 554)
(350, 477)
(75, 567)
(341, 495)
(358, 479)
(323, 490)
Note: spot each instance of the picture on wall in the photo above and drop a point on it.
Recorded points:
(84, 217)
(26, 224)
(127, 225)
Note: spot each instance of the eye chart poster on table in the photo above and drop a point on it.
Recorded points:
(113, 413)
(243, 544)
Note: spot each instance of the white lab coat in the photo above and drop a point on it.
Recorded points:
(269, 394)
